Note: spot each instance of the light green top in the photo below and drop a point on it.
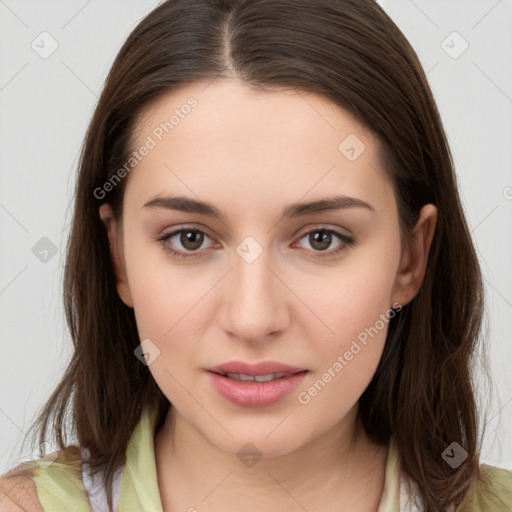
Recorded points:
(60, 484)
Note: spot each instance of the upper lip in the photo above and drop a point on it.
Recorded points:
(261, 368)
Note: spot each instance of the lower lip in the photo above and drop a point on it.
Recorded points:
(255, 394)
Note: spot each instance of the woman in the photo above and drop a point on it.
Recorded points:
(270, 282)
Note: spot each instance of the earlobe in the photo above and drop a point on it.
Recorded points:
(415, 258)
(114, 238)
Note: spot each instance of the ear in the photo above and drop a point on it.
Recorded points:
(414, 259)
(116, 251)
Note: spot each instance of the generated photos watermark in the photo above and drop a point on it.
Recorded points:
(305, 397)
(137, 156)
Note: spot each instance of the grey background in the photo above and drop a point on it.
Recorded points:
(46, 105)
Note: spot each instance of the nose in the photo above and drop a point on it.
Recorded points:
(256, 300)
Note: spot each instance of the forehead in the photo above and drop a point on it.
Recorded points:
(223, 139)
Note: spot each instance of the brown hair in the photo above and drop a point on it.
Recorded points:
(352, 53)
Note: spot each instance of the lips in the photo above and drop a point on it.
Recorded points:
(255, 385)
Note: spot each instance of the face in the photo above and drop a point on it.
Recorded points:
(312, 289)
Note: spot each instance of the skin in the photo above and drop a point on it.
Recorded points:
(252, 154)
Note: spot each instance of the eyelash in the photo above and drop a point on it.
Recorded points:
(347, 242)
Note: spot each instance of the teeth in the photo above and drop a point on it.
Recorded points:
(259, 378)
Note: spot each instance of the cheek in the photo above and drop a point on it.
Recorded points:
(354, 306)
(350, 298)
(165, 296)
(165, 309)
(346, 362)
(169, 312)
(357, 325)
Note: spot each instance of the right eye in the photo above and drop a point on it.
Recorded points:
(191, 239)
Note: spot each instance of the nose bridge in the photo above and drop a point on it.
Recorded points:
(255, 303)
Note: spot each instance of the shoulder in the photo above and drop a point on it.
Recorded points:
(491, 493)
(32, 484)
(18, 494)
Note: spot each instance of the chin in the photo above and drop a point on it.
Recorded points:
(258, 444)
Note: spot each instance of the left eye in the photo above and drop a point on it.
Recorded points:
(321, 239)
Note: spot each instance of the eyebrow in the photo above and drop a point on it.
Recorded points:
(188, 204)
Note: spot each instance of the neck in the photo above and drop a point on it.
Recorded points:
(192, 472)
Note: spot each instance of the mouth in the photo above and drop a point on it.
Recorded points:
(255, 385)
(258, 378)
